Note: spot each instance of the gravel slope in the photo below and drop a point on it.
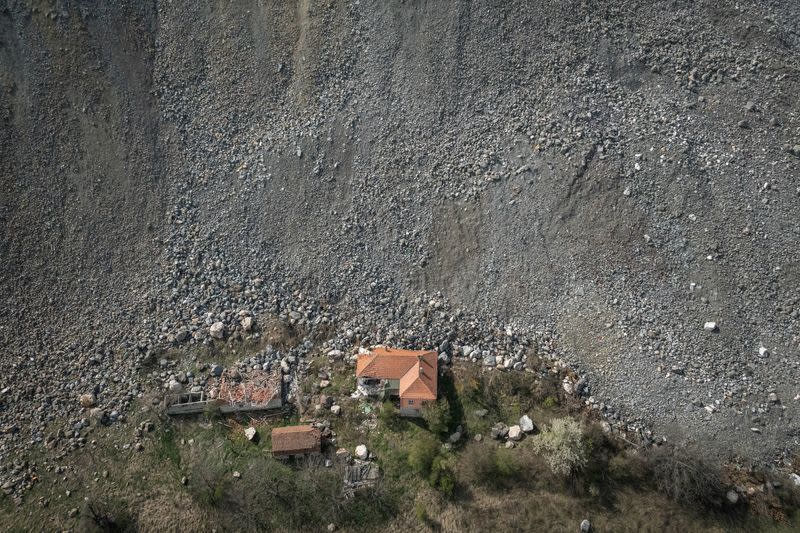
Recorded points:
(603, 177)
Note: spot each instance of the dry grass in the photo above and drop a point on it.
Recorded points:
(496, 490)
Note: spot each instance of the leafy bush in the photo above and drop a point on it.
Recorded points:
(422, 453)
(685, 477)
(442, 476)
(549, 402)
(562, 446)
(437, 416)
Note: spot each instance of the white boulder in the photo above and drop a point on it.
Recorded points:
(362, 452)
(515, 433)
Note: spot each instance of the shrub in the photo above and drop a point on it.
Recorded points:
(422, 453)
(685, 477)
(442, 477)
(562, 446)
(389, 416)
(437, 416)
(549, 402)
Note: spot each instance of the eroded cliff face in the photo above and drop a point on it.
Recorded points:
(613, 173)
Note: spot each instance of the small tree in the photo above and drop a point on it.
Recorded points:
(563, 446)
(437, 416)
(442, 476)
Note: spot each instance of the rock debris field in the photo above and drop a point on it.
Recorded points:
(613, 186)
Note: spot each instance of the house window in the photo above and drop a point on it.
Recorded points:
(410, 402)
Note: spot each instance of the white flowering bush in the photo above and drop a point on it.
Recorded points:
(562, 446)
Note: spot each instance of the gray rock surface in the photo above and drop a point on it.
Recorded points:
(526, 424)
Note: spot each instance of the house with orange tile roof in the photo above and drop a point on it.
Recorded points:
(411, 375)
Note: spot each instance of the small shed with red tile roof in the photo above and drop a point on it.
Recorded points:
(296, 440)
(410, 374)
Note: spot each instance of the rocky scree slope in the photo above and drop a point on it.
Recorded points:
(605, 177)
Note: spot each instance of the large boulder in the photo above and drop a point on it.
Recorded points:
(217, 330)
(362, 452)
(526, 424)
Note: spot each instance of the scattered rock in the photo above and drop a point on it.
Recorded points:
(362, 452)
(251, 434)
(732, 496)
(515, 433)
(88, 400)
(586, 526)
(336, 409)
(710, 326)
(499, 431)
(526, 424)
(217, 330)
(8, 487)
